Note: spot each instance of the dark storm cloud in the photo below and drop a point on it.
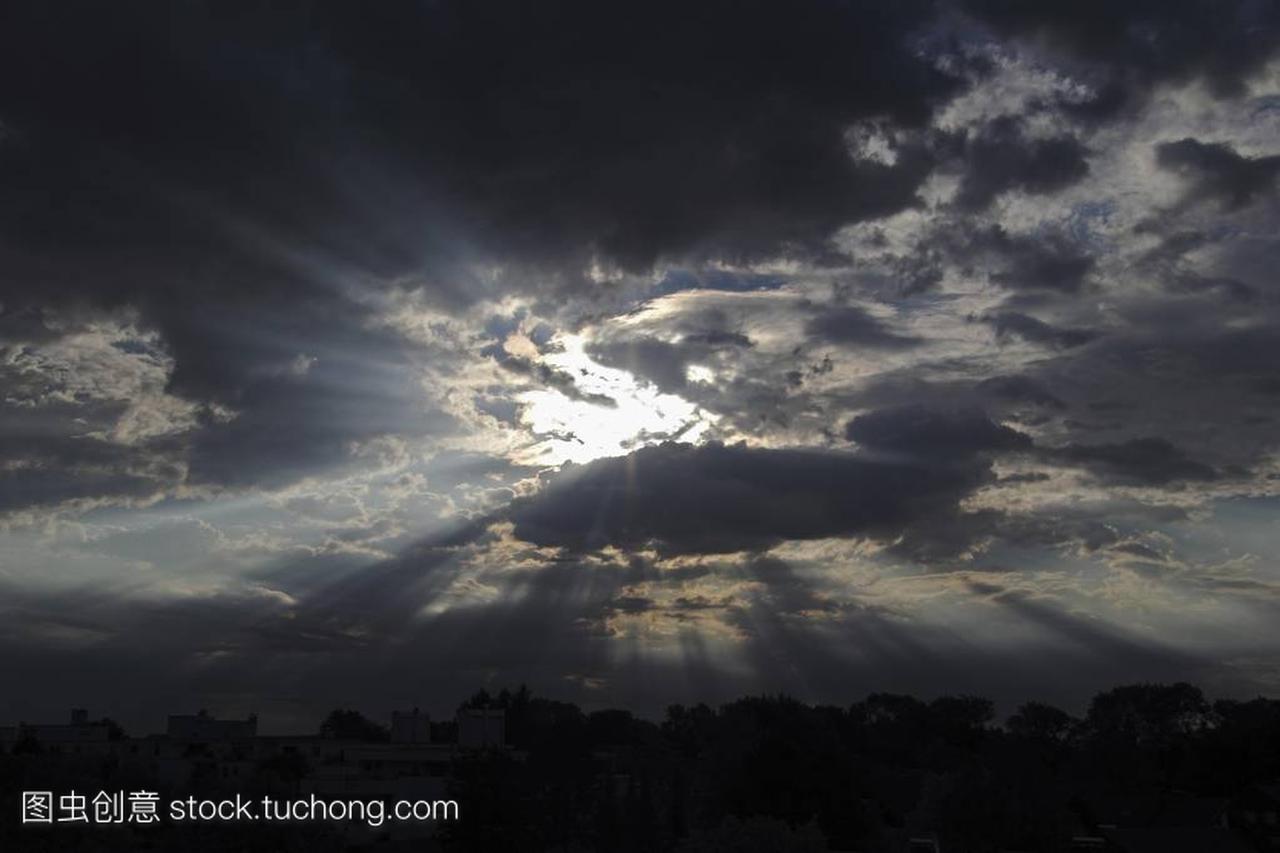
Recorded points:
(1032, 330)
(848, 325)
(236, 173)
(706, 144)
(1128, 48)
(1020, 389)
(663, 363)
(717, 499)
(46, 470)
(230, 173)
(1223, 287)
(301, 390)
(969, 415)
(939, 436)
(1146, 460)
(1049, 262)
(1169, 260)
(631, 604)
(659, 362)
(201, 148)
(1000, 158)
(718, 337)
(917, 273)
(252, 181)
(55, 447)
(676, 280)
(1216, 172)
(1149, 402)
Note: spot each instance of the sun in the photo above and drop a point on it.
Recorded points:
(571, 430)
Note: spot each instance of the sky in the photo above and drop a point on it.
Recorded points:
(365, 355)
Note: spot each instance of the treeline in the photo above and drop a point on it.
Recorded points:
(772, 773)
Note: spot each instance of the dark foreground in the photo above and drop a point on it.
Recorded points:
(1149, 767)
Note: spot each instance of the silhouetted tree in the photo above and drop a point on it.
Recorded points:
(1143, 714)
(352, 725)
(115, 731)
(1040, 722)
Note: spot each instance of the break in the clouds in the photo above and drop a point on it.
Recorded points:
(636, 350)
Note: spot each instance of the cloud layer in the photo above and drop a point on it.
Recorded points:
(750, 346)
